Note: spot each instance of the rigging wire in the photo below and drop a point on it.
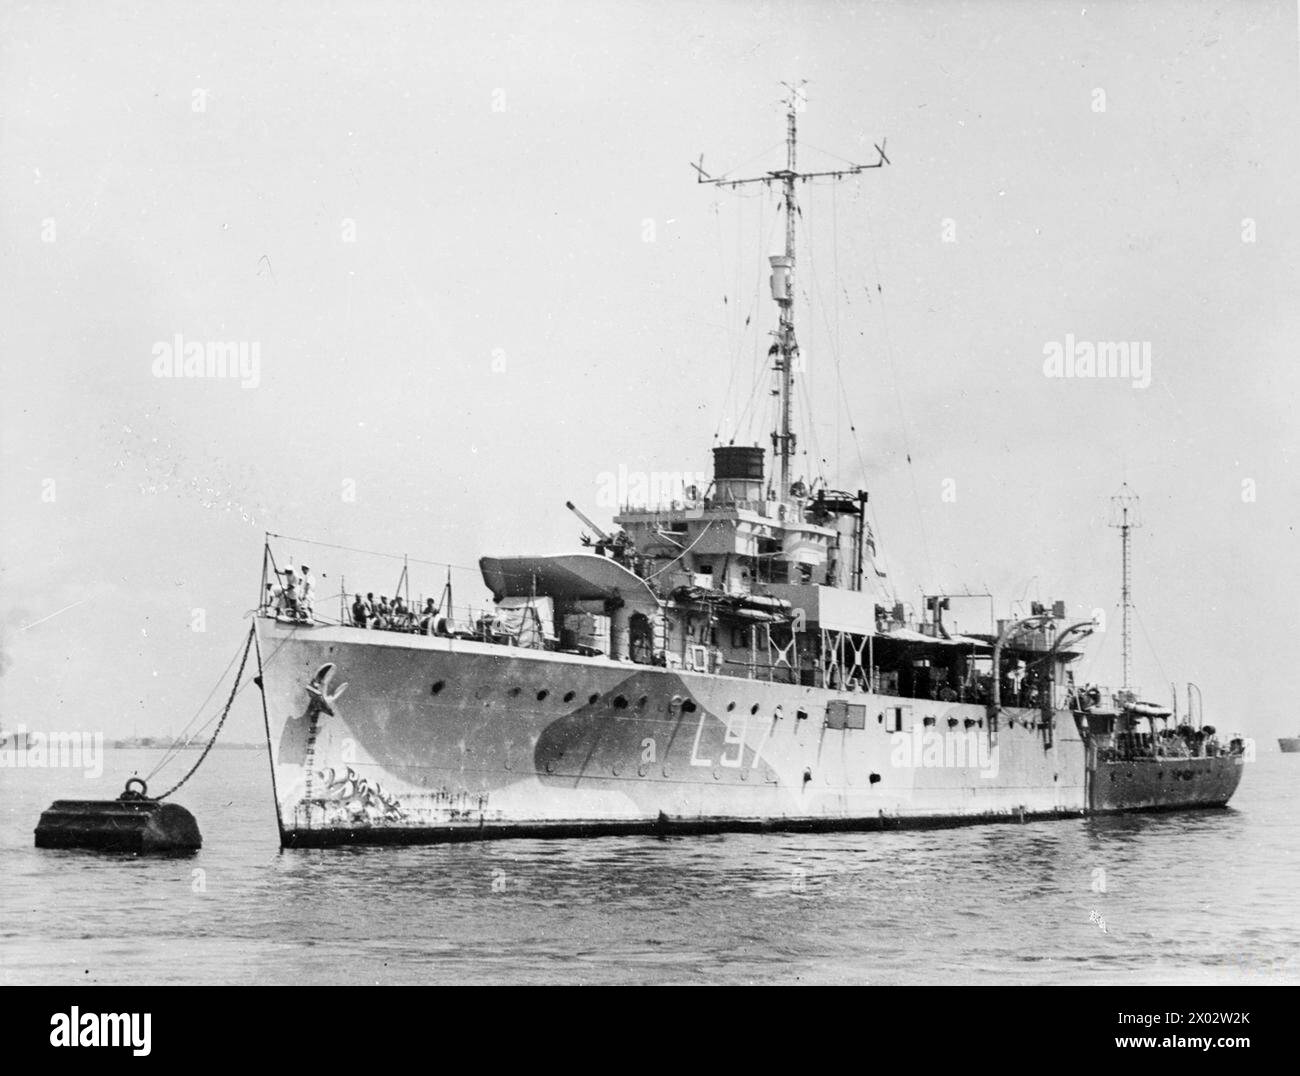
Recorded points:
(372, 552)
(835, 271)
(741, 335)
(898, 396)
(737, 167)
(183, 740)
(843, 160)
(1095, 656)
(1146, 635)
(682, 553)
(202, 728)
(842, 398)
(225, 713)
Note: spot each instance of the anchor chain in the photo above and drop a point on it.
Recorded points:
(234, 690)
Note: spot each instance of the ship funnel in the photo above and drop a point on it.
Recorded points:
(737, 473)
(782, 269)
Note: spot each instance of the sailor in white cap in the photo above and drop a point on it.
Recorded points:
(308, 592)
(289, 590)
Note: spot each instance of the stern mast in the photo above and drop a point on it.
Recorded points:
(1124, 517)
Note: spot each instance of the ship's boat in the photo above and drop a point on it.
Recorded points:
(731, 658)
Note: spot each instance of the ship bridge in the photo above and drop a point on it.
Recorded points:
(737, 536)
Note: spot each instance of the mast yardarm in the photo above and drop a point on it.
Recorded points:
(785, 351)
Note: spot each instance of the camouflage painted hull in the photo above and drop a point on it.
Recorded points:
(439, 739)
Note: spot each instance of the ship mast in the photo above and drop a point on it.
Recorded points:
(1124, 517)
(786, 349)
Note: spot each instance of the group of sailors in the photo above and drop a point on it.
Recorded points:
(380, 614)
(1181, 742)
(1023, 690)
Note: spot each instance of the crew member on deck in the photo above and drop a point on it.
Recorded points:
(308, 592)
(288, 592)
(429, 618)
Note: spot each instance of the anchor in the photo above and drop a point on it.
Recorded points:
(322, 700)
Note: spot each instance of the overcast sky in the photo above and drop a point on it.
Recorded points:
(479, 275)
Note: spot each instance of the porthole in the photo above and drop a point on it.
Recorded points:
(753, 709)
(688, 707)
(730, 706)
(438, 686)
(640, 703)
(593, 700)
(620, 702)
(568, 696)
(541, 695)
(514, 692)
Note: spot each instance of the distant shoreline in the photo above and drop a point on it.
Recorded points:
(145, 744)
(22, 741)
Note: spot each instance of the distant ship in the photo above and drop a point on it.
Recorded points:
(145, 742)
(13, 740)
(1290, 745)
(729, 660)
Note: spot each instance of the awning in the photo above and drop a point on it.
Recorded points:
(907, 635)
(572, 576)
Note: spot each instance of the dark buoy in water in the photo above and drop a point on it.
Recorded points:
(130, 823)
(133, 822)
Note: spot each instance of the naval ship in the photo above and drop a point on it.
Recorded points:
(727, 660)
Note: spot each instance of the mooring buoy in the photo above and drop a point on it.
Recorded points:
(131, 823)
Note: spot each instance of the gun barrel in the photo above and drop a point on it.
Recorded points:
(577, 512)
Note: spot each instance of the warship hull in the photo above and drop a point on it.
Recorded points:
(438, 739)
(1154, 784)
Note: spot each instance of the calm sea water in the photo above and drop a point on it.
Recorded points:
(1201, 897)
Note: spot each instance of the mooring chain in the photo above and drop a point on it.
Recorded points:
(234, 690)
